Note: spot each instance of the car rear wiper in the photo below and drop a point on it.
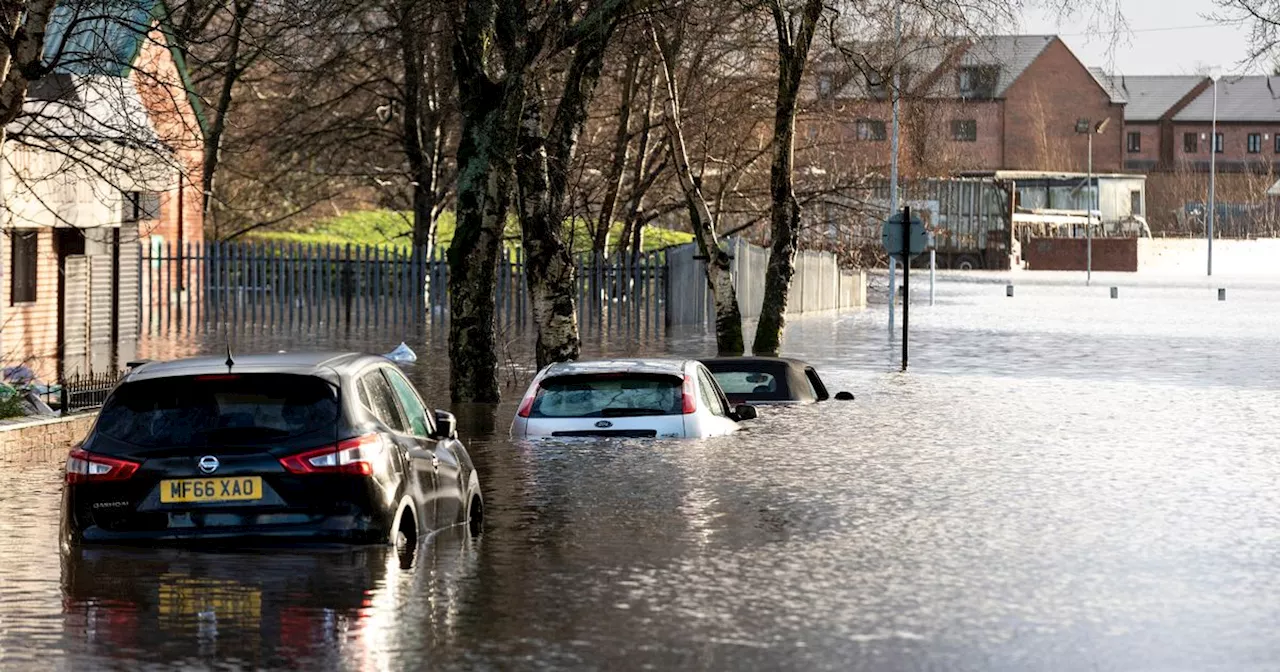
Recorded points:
(617, 412)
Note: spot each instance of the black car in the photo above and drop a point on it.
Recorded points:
(332, 447)
(769, 380)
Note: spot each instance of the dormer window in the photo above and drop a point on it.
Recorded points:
(826, 84)
(978, 81)
(880, 84)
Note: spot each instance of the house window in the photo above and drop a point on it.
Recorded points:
(880, 84)
(1255, 143)
(978, 81)
(1277, 137)
(1191, 143)
(1135, 141)
(1135, 203)
(24, 261)
(870, 129)
(964, 130)
(826, 83)
(140, 206)
(1217, 143)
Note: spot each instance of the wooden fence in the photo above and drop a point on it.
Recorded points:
(273, 287)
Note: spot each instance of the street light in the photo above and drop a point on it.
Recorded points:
(1213, 167)
(1086, 127)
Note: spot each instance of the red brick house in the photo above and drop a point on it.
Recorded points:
(995, 103)
(102, 157)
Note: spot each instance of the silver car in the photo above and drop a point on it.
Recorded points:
(665, 398)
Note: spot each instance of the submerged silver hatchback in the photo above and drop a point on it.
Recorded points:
(641, 398)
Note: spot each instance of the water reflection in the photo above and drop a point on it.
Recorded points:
(270, 608)
(1061, 482)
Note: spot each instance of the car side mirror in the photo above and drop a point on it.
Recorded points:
(744, 412)
(446, 425)
(844, 396)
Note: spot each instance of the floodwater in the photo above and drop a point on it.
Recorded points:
(1061, 482)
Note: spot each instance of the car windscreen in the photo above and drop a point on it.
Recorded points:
(214, 410)
(757, 384)
(608, 396)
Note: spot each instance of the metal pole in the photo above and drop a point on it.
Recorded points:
(893, 292)
(1088, 228)
(906, 280)
(893, 142)
(1213, 170)
(933, 268)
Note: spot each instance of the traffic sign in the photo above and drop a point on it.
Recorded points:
(891, 236)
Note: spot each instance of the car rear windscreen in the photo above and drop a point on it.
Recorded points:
(231, 410)
(608, 396)
(757, 385)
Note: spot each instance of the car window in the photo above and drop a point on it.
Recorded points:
(747, 382)
(198, 411)
(607, 396)
(819, 390)
(710, 395)
(753, 381)
(419, 422)
(382, 400)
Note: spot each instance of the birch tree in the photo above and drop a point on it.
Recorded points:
(22, 28)
(795, 24)
(729, 340)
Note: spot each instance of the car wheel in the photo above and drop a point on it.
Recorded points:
(475, 514)
(966, 262)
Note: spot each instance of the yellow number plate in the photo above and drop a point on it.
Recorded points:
(232, 489)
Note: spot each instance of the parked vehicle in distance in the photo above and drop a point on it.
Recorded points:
(330, 447)
(664, 398)
(769, 380)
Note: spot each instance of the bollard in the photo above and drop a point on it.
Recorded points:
(1008, 290)
(1115, 292)
(1222, 293)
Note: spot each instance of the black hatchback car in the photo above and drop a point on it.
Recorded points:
(324, 447)
(769, 380)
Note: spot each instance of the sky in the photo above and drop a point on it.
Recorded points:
(1164, 37)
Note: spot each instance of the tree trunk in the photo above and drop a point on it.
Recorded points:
(490, 113)
(218, 126)
(421, 130)
(793, 54)
(729, 341)
(21, 56)
(548, 261)
(621, 145)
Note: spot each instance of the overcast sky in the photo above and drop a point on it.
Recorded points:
(1171, 37)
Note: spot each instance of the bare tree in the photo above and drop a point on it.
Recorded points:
(796, 24)
(22, 28)
(729, 340)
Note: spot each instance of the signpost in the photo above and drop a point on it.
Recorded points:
(904, 237)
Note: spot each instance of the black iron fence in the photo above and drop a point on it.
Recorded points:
(286, 286)
(85, 392)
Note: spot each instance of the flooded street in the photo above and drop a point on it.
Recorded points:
(1061, 482)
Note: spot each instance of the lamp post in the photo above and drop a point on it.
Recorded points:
(1087, 127)
(1213, 169)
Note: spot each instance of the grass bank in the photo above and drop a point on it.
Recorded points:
(391, 227)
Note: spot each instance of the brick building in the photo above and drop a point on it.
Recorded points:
(102, 157)
(995, 103)
(1168, 129)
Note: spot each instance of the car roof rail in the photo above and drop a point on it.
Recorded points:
(137, 363)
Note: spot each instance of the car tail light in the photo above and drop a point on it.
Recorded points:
(86, 467)
(526, 404)
(353, 456)
(688, 394)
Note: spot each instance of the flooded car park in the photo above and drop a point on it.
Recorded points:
(1062, 482)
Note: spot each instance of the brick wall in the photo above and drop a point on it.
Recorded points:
(1235, 145)
(53, 434)
(1070, 254)
(30, 330)
(1041, 109)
